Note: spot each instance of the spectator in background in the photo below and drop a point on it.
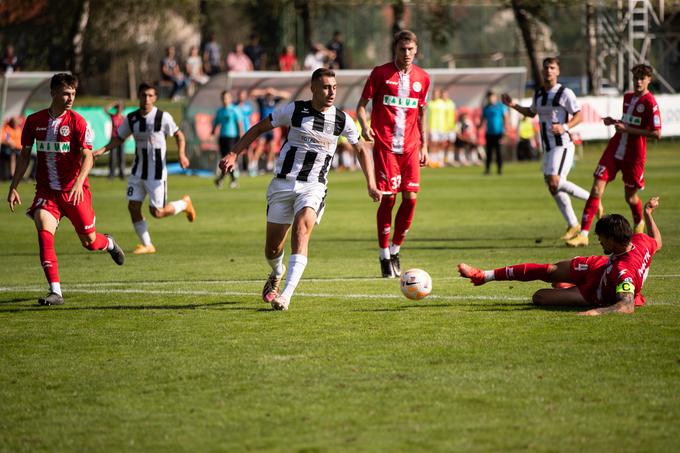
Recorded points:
(117, 156)
(288, 59)
(266, 99)
(256, 53)
(317, 57)
(10, 61)
(212, 56)
(527, 143)
(171, 72)
(10, 147)
(337, 46)
(494, 118)
(466, 148)
(194, 70)
(238, 61)
(229, 121)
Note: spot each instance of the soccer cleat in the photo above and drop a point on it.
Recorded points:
(233, 184)
(579, 240)
(386, 268)
(272, 286)
(189, 211)
(142, 249)
(116, 252)
(219, 183)
(280, 303)
(475, 275)
(571, 232)
(639, 228)
(396, 264)
(51, 299)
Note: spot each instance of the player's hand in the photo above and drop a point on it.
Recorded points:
(13, 199)
(557, 129)
(98, 152)
(184, 162)
(608, 121)
(424, 157)
(506, 99)
(374, 193)
(228, 162)
(652, 204)
(620, 126)
(76, 194)
(368, 134)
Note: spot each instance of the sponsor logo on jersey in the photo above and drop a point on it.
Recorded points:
(394, 101)
(413, 184)
(390, 82)
(630, 119)
(52, 147)
(640, 108)
(64, 130)
(417, 86)
(40, 128)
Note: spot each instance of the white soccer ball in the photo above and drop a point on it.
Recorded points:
(416, 284)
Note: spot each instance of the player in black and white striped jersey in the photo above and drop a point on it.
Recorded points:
(558, 111)
(297, 192)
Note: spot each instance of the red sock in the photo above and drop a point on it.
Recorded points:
(402, 222)
(637, 212)
(48, 256)
(589, 212)
(100, 243)
(385, 221)
(525, 272)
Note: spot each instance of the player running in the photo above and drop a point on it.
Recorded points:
(297, 193)
(611, 284)
(554, 103)
(626, 151)
(63, 141)
(149, 126)
(398, 90)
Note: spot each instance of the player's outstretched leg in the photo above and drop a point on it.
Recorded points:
(524, 272)
(475, 275)
(116, 252)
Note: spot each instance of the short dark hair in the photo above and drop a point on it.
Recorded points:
(322, 72)
(616, 227)
(551, 60)
(63, 79)
(404, 35)
(225, 92)
(146, 86)
(642, 70)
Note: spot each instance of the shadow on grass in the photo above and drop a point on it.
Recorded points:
(476, 307)
(36, 307)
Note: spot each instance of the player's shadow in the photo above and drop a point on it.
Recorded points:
(216, 305)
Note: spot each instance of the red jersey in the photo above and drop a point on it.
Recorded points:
(629, 268)
(397, 99)
(59, 143)
(639, 112)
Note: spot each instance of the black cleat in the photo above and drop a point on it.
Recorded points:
(386, 268)
(116, 252)
(396, 264)
(51, 299)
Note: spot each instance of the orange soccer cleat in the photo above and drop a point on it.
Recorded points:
(475, 275)
(142, 249)
(190, 210)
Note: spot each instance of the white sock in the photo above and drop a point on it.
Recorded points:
(573, 189)
(55, 287)
(394, 249)
(489, 275)
(109, 245)
(584, 233)
(276, 264)
(142, 232)
(564, 203)
(179, 205)
(296, 266)
(385, 253)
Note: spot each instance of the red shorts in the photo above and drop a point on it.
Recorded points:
(633, 173)
(396, 172)
(56, 203)
(586, 272)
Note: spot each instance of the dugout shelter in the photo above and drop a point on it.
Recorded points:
(19, 90)
(467, 88)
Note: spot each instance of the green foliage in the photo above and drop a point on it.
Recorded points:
(175, 351)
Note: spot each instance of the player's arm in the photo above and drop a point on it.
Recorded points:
(366, 163)
(114, 143)
(76, 194)
(526, 111)
(22, 164)
(228, 162)
(625, 302)
(366, 131)
(652, 229)
(620, 126)
(573, 122)
(182, 148)
(422, 125)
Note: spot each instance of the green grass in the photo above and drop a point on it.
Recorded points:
(175, 351)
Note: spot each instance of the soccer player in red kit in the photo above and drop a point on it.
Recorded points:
(64, 145)
(626, 151)
(610, 284)
(398, 90)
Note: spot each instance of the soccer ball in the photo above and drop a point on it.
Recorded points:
(416, 284)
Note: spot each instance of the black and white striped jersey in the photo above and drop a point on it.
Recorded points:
(307, 153)
(554, 107)
(149, 132)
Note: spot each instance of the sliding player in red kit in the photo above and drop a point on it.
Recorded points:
(398, 91)
(64, 145)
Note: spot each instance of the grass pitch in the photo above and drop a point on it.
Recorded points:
(176, 352)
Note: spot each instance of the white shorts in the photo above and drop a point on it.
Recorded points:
(438, 137)
(451, 137)
(558, 161)
(286, 198)
(156, 188)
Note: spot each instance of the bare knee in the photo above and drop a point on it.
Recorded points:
(156, 213)
(552, 183)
